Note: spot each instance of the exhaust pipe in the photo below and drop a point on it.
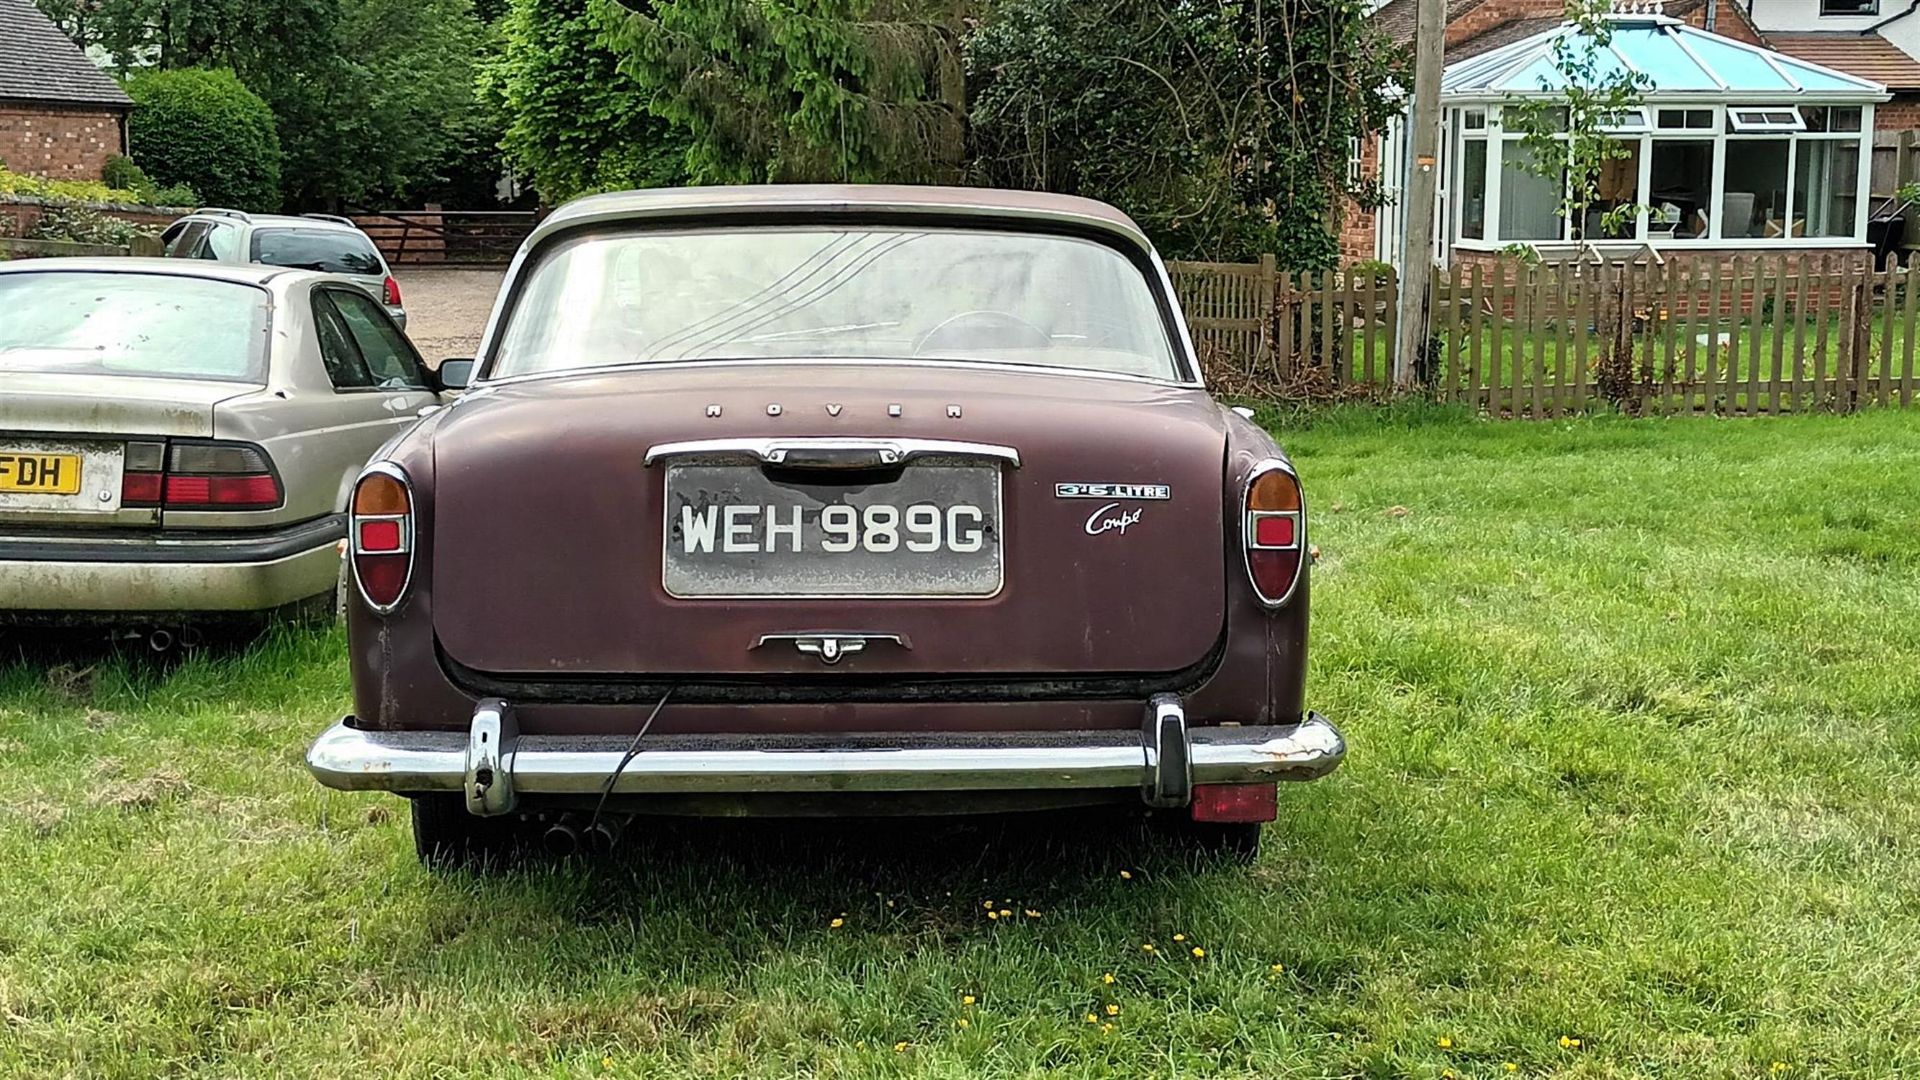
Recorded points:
(562, 838)
(160, 640)
(604, 835)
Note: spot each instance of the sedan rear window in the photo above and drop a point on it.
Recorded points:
(841, 292)
(335, 251)
(81, 323)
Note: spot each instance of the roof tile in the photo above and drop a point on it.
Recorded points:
(39, 63)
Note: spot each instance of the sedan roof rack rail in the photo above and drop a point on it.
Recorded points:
(221, 211)
(332, 217)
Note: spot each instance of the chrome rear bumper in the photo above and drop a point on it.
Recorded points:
(493, 764)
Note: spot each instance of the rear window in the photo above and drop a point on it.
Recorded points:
(335, 251)
(80, 323)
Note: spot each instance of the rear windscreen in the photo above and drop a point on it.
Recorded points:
(98, 323)
(334, 251)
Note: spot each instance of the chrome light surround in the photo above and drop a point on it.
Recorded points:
(388, 469)
(1247, 517)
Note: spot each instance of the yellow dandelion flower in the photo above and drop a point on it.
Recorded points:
(1179, 937)
(1005, 914)
(1126, 875)
(1576, 1044)
(1107, 978)
(606, 1062)
(988, 904)
(1113, 1010)
(993, 914)
(1568, 1042)
(1512, 1067)
(1199, 953)
(1106, 1029)
(1446, 1074)
(966, 999)
(1277, 968)
(963, 1022)
(900, 1047)
(1443, 1042)
(1148, 947)
(1092, 1019)
(1777, 1067)
(1030, 913)
(836, 924)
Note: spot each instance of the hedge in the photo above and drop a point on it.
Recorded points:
(203, 129)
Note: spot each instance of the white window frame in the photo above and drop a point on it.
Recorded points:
(1764, 120)
(1498, 138)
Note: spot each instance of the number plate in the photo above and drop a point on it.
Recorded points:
(731, 531)
(39, 474)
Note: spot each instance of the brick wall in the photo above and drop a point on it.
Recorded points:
(1900, 114)
(18, 213)
(1494, 13)
(1357, 222)
(1729, 20)
(58, 141)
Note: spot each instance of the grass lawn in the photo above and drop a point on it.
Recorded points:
(1634, 791)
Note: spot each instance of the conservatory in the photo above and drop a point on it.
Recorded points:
(1733, 146)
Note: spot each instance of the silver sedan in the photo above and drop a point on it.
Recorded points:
(181, 437)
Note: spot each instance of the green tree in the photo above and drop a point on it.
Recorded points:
(369, 96)
(204, 129)
(1224, 129)
(573, 123)
(795, 90)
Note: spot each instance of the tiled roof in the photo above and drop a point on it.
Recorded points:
(1399, 17)
(39, 63)
(1869, 56)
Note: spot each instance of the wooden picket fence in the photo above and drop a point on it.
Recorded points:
(1744, 334)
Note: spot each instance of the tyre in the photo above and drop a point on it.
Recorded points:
(447, 837)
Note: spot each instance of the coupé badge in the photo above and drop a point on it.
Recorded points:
(1112, 491)
(1104, 520)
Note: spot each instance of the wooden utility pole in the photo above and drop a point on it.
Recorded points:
(1423, 139)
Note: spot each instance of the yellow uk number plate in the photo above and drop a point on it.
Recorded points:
(39, 474)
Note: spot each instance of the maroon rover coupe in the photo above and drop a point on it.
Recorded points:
(827, 500)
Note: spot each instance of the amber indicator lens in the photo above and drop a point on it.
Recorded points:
(380, 495)
(1274, 490)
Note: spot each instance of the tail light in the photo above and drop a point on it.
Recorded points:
(199, 475)
(392, 290)
(381, 529)
(1274, 531)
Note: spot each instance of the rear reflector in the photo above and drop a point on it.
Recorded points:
(1272, 529)
(140, 489)
(382, 532)
(1234, 802)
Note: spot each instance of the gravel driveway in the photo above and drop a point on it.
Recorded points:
(447, 309)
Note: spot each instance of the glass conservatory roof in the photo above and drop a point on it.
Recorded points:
(1677, 58)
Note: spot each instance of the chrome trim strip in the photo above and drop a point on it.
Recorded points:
(1261, 468)
(837, 361)
(384, 468)
(888, 451)
(349, 759)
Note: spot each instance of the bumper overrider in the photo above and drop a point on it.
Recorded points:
(493, 764)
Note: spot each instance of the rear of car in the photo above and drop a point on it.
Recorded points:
(121, 499)
(319, 242)
(862, 509)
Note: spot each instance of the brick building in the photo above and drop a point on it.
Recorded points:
(60, 116)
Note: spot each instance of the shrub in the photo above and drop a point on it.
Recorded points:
(83, 225)
(203, 129)
(121, 172)
(175, 195)
(83, 191)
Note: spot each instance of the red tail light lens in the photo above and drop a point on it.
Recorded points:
(215, 476)
(381, 528)
(141, 476)
(1274, 531)
(392, 289)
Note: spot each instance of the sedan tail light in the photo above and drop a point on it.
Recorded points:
(1273, 531)
(199, 475)
(381, 530)
(392, 290)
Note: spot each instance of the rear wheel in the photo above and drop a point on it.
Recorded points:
(447, 837)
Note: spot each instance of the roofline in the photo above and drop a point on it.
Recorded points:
(1711, 97)
(72, 103)
(746, 200)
